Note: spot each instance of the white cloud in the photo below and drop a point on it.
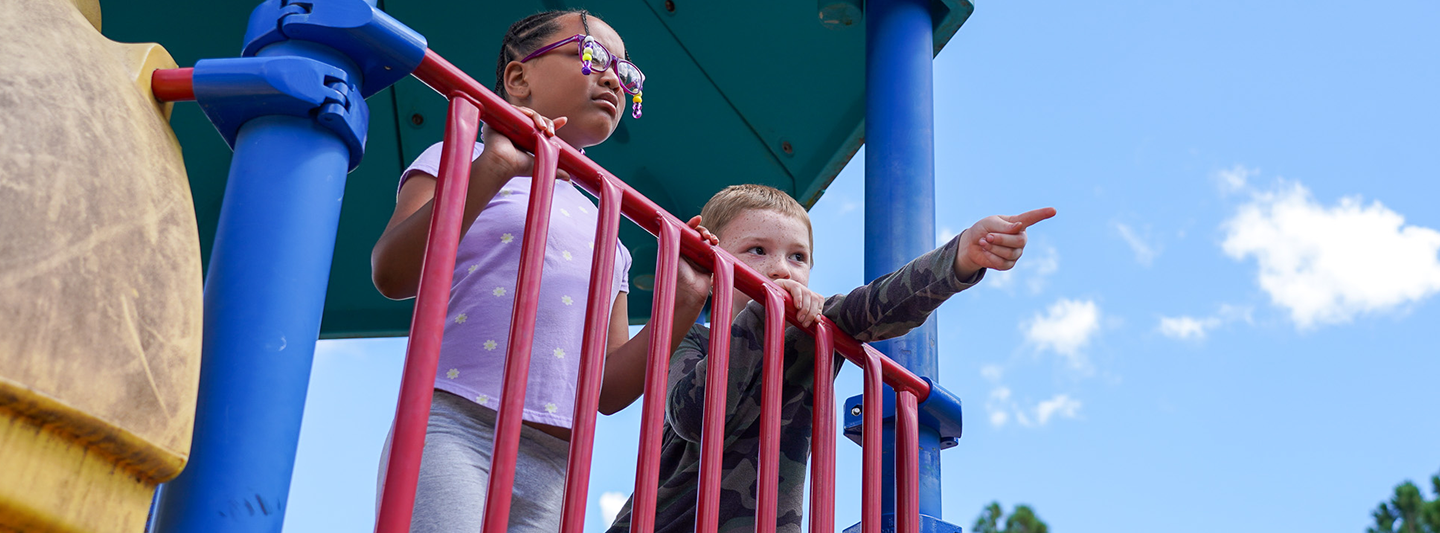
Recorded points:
(998, 405)
(944, 236)
(1236, 313)
(992, 373)
(1001, 409)
(1144, 252)
(1035, 267)
(1235, 179)
(1061, 404)
(1040, 262)
(1066, 328)
(1000, 279)
(1023, 419)
(610, 505)
(1197, 328)
(1325, 265)
(998, 418)
(1187, 328)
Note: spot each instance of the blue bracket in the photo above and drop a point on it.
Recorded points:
(361, 51)
(384, 49)
(233, 91)
(940, 410)
(928, 524)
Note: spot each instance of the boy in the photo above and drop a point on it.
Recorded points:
(770, 232)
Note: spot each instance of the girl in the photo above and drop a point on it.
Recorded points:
(563, 64)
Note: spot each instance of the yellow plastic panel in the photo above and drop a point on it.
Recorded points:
(100, 281)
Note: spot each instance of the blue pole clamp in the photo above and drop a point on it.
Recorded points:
(940, 411)
(380, 48)
(384, 49)
(233, 91)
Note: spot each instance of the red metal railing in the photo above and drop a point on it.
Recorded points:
(470, 104)
(675, 239)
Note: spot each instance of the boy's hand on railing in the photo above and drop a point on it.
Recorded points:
(694, 224)
(694, 282)
(808, 304)
(506, 160)
(995, 242)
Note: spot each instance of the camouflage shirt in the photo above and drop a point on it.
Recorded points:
(888, 307)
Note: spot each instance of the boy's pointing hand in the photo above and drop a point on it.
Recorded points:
(995, 242)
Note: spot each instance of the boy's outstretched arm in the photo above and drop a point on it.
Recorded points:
(897, 302)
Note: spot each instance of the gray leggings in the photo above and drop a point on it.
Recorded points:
(455, 472)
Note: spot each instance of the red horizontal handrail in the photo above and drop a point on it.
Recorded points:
(173, 84)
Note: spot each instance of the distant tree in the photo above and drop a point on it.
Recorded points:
(1023, 520)
(989, 520)
(1430, 515)
(1407, 511)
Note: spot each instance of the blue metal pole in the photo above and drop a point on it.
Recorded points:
(264, 295)
(899, 192)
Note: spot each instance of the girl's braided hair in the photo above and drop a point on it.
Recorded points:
(529, 34)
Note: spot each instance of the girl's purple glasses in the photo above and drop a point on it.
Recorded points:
(595, 57)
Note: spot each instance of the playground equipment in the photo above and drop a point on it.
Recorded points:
(293, 109)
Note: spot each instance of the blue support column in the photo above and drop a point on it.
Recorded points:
(294, 114)
(263, 299)
(899, 201)
(264, 295)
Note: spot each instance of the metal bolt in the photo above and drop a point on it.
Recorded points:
(417, 119)
(787, 148)
(670, 5)
(855, 411)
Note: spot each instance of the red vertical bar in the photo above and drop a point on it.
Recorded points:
(907, 463)
(771, 380)
(872, 408)
(427, 325)
(822, 440)
(522, 337)
(592, 359)
(717, 384)
(662, 317)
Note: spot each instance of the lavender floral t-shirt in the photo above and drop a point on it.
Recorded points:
(472, 355)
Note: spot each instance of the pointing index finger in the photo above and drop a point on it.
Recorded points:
(1029, 218)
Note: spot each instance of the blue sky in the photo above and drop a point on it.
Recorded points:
(1228, 323)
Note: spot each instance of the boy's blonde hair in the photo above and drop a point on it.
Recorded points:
(735, 199)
